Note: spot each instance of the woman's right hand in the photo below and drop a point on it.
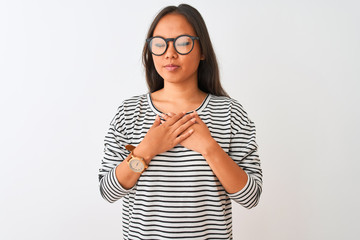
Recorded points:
(163, 136)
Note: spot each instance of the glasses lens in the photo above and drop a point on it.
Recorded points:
(184, 44)
(157, 46)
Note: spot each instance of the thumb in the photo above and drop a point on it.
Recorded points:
(156, 122)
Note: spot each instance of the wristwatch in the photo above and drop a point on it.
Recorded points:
(136, 164)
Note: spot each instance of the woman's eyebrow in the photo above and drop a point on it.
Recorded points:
(173, 37)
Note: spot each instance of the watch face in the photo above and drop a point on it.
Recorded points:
(136, 165)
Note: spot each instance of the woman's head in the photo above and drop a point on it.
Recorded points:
(207, 69)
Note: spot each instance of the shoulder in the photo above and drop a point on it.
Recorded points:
(132, 103)
(238, 115)
(135, 100)
(129, 106)
(227, 102)
(223, 100)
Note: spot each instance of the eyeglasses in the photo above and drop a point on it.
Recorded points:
(183, 44)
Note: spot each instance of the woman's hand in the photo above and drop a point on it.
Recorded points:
(200, 140)
(163, 136)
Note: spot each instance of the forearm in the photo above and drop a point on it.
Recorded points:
(232, 176)
(126, 177)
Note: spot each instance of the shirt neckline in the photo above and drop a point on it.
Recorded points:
(198, 109)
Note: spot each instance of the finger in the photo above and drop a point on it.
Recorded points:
(184, 126)
(175, 118)
(184, 136)
(198, 119)
(183, 120)
(165, 116)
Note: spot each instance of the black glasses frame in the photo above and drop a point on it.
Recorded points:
(167, 40)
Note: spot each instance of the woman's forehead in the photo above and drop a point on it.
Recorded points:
(173, 25)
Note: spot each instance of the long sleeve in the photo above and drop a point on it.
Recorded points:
(114, 154)
(243, 150)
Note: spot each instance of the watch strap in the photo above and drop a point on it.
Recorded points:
(130, 147)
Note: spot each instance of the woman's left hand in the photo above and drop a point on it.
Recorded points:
(200, 140)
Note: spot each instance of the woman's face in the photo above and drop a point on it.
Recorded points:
(172, 66)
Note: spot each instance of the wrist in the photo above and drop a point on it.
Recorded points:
(210, 147)
(144, 152)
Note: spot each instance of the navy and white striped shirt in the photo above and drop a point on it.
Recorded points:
(178, 196)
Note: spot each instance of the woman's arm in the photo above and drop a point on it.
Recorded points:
(232, 176)
(239, 171)
(117, 179)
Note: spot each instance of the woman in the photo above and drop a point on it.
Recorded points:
(178, 173)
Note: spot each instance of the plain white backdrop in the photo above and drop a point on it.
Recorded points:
(66, 65)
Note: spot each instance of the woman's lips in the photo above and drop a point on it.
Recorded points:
(171, 67)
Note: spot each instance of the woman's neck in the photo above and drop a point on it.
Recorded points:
(178, 98)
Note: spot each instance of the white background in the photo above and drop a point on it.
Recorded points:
(66, 65)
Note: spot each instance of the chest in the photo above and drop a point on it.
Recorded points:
(218, 122)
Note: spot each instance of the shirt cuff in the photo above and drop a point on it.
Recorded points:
(246, 194)
(113, 190)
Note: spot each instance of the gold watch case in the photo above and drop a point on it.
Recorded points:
(136, 164)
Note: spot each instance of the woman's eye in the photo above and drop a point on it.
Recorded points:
(183, 44)
(159, 45)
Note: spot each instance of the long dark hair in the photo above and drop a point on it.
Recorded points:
(208, 70)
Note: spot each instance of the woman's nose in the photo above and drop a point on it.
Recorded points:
(171, 52)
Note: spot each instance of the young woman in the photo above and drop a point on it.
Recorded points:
(178, 154)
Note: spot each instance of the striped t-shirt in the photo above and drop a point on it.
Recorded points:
(178, 196)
